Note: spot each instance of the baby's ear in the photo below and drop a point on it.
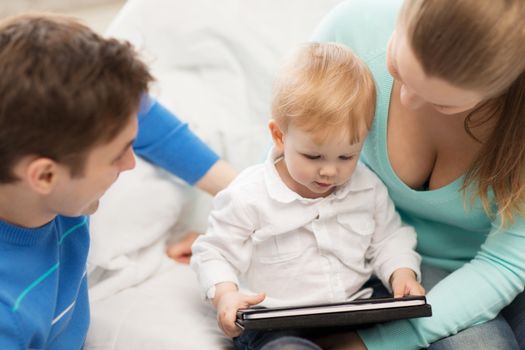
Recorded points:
(277, 135)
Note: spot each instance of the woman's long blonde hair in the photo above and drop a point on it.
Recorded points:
(480, 45)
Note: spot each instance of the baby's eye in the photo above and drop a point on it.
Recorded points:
(312, 157)
(346, 157)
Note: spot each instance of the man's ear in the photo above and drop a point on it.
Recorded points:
(42, 174)
(277, 135)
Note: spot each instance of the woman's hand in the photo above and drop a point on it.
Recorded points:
(404, 282)
(181, 251)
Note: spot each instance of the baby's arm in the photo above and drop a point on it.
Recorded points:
(392, 249)
(228, 300)
(224, 253)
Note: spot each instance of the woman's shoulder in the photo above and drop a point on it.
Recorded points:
(364, 26)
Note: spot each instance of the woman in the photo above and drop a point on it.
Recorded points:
(449, 142)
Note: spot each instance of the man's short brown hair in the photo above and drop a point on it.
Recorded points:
(63, 90)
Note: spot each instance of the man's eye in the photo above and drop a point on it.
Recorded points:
(308, 156)
(119, 158)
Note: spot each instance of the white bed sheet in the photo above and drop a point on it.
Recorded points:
(164, 312)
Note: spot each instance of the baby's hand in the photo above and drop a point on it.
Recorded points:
(404, 282)
(227, 303)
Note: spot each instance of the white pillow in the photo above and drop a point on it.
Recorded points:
(134, 219)
(215, 62)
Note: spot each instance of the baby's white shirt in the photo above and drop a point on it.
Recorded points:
(264, 237)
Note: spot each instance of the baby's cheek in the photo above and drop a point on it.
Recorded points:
(305, 176)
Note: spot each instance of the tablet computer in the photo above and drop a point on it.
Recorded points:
(353, 313)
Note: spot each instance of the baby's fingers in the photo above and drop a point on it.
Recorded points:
(414, 288)
(227, 323)
(399, 290)
(254, 299)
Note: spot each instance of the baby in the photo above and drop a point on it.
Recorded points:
(312, 224)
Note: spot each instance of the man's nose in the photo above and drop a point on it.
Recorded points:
(128, 161)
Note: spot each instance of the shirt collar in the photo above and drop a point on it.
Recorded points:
(278, 190)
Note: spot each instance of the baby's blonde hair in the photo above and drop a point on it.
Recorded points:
(324, 88)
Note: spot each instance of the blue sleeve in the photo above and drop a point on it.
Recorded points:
(167, 142)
